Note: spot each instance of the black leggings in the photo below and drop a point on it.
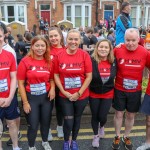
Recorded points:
(72, 112)
(41, 111)
(99, 108)
(59, 115)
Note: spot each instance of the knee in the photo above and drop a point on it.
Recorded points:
(68, 121)
(12, 124)
(148, 122)
(130, 116)
(119, 114)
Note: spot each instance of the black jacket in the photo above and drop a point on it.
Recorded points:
(96, 85)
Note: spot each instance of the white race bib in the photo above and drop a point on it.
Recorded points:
(71, 83)
(38, 89)
(130, 84)
(3, 85)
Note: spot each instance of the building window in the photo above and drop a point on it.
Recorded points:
(45, 7)
(133, 16)
(21, 13)
(108, 11)
(79, 15)
(69, 13)
(86, 15)
(12, 13)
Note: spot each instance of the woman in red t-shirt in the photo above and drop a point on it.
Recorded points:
(37, 90)
(73, 73)
(101, 87)
(56, 42)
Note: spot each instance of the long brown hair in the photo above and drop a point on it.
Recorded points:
(60, 33)
(110, 56)
(46, 54)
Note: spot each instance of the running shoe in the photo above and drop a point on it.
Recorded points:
(101, 132)
(32, 148)
(46, 146)
(60, 132)
(74, 145)
(145, 146)
(50, 136)
(66, 145)
(116, 143)
(127, 143)
(95, 142)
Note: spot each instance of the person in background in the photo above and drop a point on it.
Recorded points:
(28, 38)
(41, 26)
(20, 48)
(101, 87)
(100, 36)
(9, 38)
(131, 59)
(64, 33)
(111, 37)
(8, 84)
(56, 42)
(37, 90)
(46, 24)
(123, 22)
(72, 74)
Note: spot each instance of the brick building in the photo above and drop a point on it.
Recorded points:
(79, 12)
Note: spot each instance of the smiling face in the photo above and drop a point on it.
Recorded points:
(73, 41)
(54, 38)
(103, 50)
(39, 49)
(131, 40)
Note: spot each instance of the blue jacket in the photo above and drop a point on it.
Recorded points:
(123, 23)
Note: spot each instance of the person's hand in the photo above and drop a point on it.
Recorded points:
(5, 102)
(26, 107)
(67, 94)
(74, 97)
(51, 94)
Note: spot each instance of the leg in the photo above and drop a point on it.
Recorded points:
(94, 106)
(68, 113)
(33, 118)
(79, 107)
(148, 129)
(104, 110)
(45, 115)
(1, 131)
(13, 131)
(118, 118)
(129, 122)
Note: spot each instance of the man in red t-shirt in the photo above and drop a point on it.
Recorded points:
(131, 59)
(8, 105)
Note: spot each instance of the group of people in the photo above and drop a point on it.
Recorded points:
(64, 74)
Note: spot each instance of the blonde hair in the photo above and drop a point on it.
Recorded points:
(110, 56)
(46, 54)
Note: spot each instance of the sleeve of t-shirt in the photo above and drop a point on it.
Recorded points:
(148, 59)
(124, 21)
(88, 63)
(13, 66)
(22, 69)
(56, 65)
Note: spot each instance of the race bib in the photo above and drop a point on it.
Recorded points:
(130, 84)
(38, 89)
(71, 83)
(3, 85)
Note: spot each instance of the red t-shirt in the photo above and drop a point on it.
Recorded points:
(37, 75)
(104, 69)
(130, 65)
(72, 70)
(7, 65)
(54, 51)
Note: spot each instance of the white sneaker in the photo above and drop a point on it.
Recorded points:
(95, 142)
(60, 132)
(46, 146)
(17, 148)
(32, 148)
(145, 146)
(101, 132)
(50, 136)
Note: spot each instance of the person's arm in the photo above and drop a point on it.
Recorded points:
(58, 83)
(13, 84)
(84, 86)
(51, 93)
(26, 105)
